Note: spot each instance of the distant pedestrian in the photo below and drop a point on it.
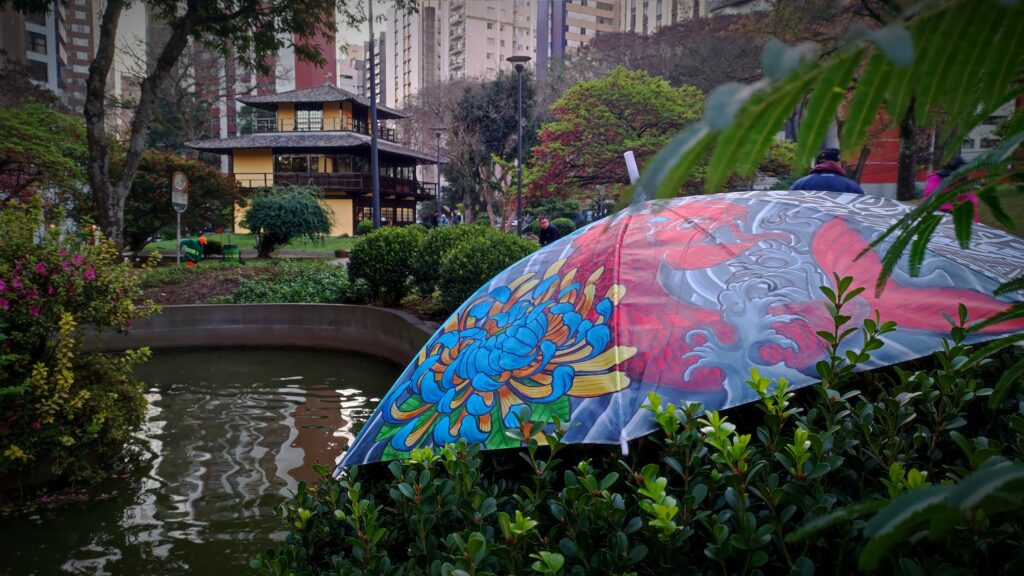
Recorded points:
(443, 222)
(936, 178)
(827, 175)
(432, 220)
(548, 233)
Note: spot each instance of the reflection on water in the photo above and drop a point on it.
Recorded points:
(229, 434)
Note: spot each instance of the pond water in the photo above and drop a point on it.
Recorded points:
(229, 434)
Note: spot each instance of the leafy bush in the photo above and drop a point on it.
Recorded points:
(779, 159)
(277, 215)
(471, 264)
(851, 472)
(437, 245)
(364, 227)
(383, 259)
(554, 207)
(64, 412)
(299, 281)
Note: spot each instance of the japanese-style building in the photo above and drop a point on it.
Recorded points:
(321, 136)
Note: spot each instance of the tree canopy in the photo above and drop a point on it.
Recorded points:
(597, 121)
(42, 149)
(279, 214)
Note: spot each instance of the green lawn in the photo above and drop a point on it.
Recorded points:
(1013, 204)
(248, 241)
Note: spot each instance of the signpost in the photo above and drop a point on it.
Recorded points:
(179, 199)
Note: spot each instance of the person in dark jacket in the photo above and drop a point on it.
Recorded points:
(827, 175)
(548, 233)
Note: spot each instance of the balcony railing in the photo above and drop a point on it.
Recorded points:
(272, 125)
(337, 182)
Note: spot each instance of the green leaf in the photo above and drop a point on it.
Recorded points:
(897, 520)
(963, 219)
(765, 122)
(1015, 285)
(990, 196)
(543, 413)
(1004, 64)
(725, 101)
(971, 61)
(986, 483)
(896, 43)
(1010, 377)
(924, 235)
(866, 101)
(829, 91)
(666, 173)
(937, 70)
(779, 59)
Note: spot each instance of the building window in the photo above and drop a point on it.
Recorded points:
(39, 71)
(36, 43)
(490, 55)
(80, 41)
(309, 117)
(82, 55)
(605, 6)
(968, 144)
(490, 41)
(989, 143)
(79, 14)
(37, 19)
(502, 43)
(490, 25)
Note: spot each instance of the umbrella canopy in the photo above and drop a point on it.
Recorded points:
(680, 297)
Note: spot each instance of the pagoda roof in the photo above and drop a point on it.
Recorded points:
(315, 95)
(325, 141)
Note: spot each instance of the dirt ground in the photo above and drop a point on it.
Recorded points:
(202, 289)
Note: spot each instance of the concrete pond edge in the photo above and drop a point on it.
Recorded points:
(394, 335)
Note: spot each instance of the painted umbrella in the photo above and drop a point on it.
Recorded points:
(682, 298)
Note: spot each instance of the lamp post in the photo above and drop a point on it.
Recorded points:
(437, 191)
(519, 62)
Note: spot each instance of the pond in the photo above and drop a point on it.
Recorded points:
(228, 435)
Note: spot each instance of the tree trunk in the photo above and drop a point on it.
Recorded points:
(862, 160)
(906, 167)
(95, 123)
(110, 196)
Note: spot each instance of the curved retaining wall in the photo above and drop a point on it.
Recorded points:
(390, 334)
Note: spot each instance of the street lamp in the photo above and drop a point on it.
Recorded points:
(519, 62)
(437, 191)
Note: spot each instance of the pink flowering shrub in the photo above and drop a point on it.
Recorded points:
(61, 406)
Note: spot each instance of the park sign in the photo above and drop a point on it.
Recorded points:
(179, 191)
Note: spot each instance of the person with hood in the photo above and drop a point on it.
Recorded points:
(827, 175)
(936, 178)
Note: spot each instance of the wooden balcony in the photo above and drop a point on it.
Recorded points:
(272, 125)
(355, 184)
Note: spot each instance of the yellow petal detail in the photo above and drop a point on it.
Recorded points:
(590, 385)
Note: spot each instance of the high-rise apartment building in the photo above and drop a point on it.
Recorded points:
(37, 41)
(649, 16)
(352, 68)
(585, 19)
(379, 68)
(81, 47)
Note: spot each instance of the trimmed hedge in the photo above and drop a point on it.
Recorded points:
(472, 263)
(294, 281)
(564, 226)
(383, 258)
(438, 244)
(364, 227)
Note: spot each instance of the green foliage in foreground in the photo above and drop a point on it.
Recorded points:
(438, 244)
(297, 281)
(913, 471)
(66, 412)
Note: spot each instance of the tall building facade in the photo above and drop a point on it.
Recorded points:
(81, 48)
(585, 19)
(649, 16)
(38, 42)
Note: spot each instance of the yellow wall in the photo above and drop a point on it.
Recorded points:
(286, 116)
(342, 209)
(332, 116)
(250, 166)
(346, 112)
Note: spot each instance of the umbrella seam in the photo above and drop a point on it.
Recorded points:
(615, 313)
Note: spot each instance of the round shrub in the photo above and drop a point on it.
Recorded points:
(364, 227)
(474, 262)
(280, 214)
(383, 258)
(438, 244)
(564, 226)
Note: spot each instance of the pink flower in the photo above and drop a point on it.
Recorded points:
(40, 268)
(50, 291)
(16, 284)
(63, 251)
(77, 259)
(65, 265)
(4, 304)
(33, 310)
(90, 274)
(3, 286)
(31, 294)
